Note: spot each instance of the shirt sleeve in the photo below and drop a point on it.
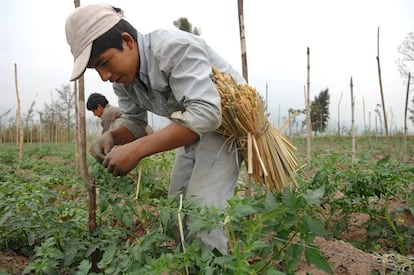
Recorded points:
(191, 84)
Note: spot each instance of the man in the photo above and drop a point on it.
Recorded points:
(168, 73)
(100, 107)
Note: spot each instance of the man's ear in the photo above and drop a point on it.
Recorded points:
(128, 39)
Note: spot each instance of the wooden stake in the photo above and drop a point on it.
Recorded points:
(353, 121)
(181, 228)
(405, 157)
(256, 148)
(308, 112)
(138, 181)
(382, 99)
(249, 154)
(19, 117)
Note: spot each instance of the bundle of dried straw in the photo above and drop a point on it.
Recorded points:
(269, 155)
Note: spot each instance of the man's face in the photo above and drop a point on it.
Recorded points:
(98, 111)
(115, 65)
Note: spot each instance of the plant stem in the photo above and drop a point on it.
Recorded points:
(393, 227)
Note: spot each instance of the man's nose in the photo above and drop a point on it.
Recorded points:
(104, 74)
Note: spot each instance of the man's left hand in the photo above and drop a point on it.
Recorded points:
(121, 160)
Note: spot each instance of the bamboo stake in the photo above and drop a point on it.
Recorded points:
(249, 154)
(339, 115)
(77, 137)
(242, 39)
(353, 121)
(181, 229)
(405, 157)
(90, 184)
(138, 182)
(308, 112)
(19, 117)
(382, 97)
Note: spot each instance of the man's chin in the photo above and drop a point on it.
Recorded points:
(125, 80)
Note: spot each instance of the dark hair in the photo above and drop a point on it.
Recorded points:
(112, 38)
(94, 100)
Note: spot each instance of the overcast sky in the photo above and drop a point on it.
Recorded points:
(341, 36)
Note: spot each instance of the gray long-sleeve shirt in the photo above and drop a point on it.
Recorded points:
(174, 81)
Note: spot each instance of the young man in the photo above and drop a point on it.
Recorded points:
(168, 73)
(100, 107)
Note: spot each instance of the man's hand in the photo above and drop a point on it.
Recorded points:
(122, 159)
(102, 146)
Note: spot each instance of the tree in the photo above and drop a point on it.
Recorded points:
(406, 49)
(406, 63)
(183, 24)
(378, 112)
(2, 132)
(320, 111)
(294, 113)
(66, 106)
(28, 122)
(411, 117)
(50, 120)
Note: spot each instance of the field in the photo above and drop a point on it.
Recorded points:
(343, 217)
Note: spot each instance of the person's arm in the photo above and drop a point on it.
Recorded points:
(121, 135)
(124, 158)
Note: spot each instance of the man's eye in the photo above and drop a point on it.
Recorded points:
(102, 63)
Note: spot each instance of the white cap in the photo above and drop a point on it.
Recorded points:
(83, 26)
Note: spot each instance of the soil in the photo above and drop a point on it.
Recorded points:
(342, 257)
(12, 262)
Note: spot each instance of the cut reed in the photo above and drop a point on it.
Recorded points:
(269, 155)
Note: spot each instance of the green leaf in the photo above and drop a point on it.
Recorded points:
(313, 197)
(227, 261)
(290, 200)
(270, 201)
(316, 227)
(151, 238)
(274, 214)
(107, 256)
(293, 256)
(272, 271)
(257, 245)
(70, 253)
(83, 268)
(127, 219)
(5, 217)
(92, 247)
(164, 216)
(313, 256)
(240, 208)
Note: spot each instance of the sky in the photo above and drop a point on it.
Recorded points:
(341, 36)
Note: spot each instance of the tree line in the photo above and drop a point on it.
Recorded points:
(53, 122)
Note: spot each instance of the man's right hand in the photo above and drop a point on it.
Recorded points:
(102, 146)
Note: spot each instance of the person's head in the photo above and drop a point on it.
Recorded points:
(96, 103)
(101, 39)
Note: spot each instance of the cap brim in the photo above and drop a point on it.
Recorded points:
(81, 62)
